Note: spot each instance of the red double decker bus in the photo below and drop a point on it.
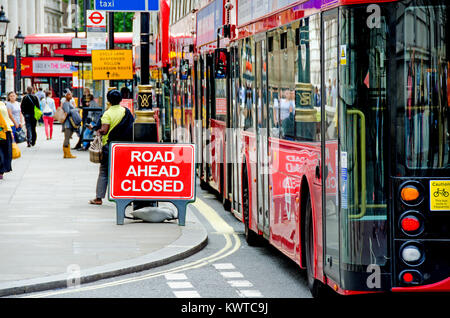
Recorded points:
(343, 151)
(333, 140)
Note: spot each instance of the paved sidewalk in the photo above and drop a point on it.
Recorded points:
(47, 227)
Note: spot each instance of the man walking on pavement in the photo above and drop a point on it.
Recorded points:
(29, 101)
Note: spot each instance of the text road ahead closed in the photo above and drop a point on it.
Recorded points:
(152, 171)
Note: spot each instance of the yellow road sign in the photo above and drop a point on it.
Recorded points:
(112, 64)
(440, 195)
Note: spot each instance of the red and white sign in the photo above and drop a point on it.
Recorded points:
(152, 171)
(96, 20)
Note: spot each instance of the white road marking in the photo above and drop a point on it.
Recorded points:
(240, 283)
(174, 276)
(222, 266)
(187, 294)
(232, 274)
(249, 293)
(179, 285)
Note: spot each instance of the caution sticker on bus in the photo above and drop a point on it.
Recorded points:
(440, 195)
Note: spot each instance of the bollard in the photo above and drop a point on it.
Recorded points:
(144, 128)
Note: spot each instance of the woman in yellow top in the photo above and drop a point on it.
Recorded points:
(6, 140)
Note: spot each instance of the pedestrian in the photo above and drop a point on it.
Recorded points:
(27, 106)
(40, 93)
(48, 111)
(85, 103)
(6, 141)
(67, 126)
(116, 125)
(14, 112)
(72, 100)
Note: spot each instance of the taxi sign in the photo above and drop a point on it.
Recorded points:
(152, 171)
(112, 64)
(439, 195)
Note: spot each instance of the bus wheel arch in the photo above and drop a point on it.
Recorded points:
(307, 236)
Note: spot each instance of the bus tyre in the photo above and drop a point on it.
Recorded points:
(315, 286)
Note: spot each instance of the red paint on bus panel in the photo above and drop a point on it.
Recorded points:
(152, 171)
(217, 152)
(290, 162)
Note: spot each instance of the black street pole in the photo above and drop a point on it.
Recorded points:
(18, 72)
(145, 48)
(3, 69)
(111, 31)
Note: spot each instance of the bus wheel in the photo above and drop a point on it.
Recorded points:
(315, 286)
(250, 236)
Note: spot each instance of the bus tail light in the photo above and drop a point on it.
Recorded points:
(411, 254)
(411, 277)
(410, 193)
(410, 224)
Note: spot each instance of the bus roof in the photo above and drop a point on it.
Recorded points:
(66, 38)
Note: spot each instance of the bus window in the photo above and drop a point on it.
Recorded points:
(307, 79)
(247, 84)
(424, 108)
(274, 83)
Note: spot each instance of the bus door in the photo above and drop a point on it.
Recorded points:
(235, 144)
(261, 135)
(330, 207)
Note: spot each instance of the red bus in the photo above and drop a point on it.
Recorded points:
(342, 109)
(338, 149)
(50, 60)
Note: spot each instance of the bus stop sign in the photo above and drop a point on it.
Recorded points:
(152, 172)
(127, 5)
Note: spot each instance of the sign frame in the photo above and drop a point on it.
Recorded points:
(123, 202)
(126, 5)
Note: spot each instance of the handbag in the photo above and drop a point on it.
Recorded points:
(60, 115)
(95, 149)
(37, 113)
(75, 118)
(20, 136)
(15, 151)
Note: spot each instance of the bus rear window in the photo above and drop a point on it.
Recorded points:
(423, 35)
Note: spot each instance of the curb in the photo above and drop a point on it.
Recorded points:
(193, 238)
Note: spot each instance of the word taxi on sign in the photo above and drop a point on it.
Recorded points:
(152, 171)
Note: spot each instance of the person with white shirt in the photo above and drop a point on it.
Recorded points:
(48, 111)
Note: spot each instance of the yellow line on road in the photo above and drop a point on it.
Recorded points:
(216, 222)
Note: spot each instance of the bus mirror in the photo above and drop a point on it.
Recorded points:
(220, 62)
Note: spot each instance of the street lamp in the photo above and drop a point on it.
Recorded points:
(3, 29)
(20, 40)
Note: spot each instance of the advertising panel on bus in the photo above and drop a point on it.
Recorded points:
(209, 19)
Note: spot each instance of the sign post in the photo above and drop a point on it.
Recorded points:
(152, 172)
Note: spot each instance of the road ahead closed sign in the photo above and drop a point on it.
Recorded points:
(112, 64)
(152, 171)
